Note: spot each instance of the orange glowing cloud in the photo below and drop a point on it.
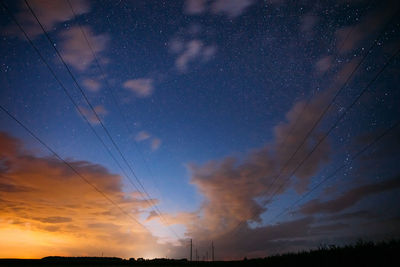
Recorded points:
(45, 209)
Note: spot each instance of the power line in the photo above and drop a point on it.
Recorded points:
(90, 105)
(69, 95)
(63, 87)
(78, 86)
(349, 32)
(330, 103)
(340, 118)
(71, 167)
(325, 111)
(113, 96)
(336, 171)
(334, 125)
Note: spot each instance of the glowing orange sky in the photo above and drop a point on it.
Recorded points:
(48, 210)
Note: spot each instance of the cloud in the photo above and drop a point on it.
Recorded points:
(141, 136)
(257, 242)
(176, 45)
(389, 146)
(49, 12)
(194, 50)
(230, 8)
(155, 144)
(290, 134)
(54, 219)
(13, 188)
(361, 214)
(345, 71)
(142, 87)
(195, 7)
(236, 191)
(92, 84)
(75, 50)
(307, 23)
(324, 64)
(367, 27)
(349, 198)
(179, 218)
(57, 215)
(88, 113)
(209, 52)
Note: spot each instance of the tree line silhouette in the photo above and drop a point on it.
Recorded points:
(359, 254)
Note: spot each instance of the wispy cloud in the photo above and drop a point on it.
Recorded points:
(195, 7)
(194, 50)
(92, 84)
(176, 45)
(366, 28)
(324, 64)
(142, 87)
(308, 22)
(75, 50)
(50, 13)
(141, 136)
(89, 114)
(350, 197)
(230, 8)
(155, 144)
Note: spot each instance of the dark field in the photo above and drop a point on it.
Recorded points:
(361, 254)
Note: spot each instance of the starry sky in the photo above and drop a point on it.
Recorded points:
(261, 126)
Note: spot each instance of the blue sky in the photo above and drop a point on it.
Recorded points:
(212, 97)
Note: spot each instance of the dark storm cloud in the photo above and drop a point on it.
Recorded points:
(350, 197)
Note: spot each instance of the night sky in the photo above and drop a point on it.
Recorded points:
(261, 126)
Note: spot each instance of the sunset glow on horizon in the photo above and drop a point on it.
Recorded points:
(143, 129)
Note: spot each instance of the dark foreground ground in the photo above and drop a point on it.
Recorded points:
(361, 254)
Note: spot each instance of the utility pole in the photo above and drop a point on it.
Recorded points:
(191, 247)
(212, 250)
